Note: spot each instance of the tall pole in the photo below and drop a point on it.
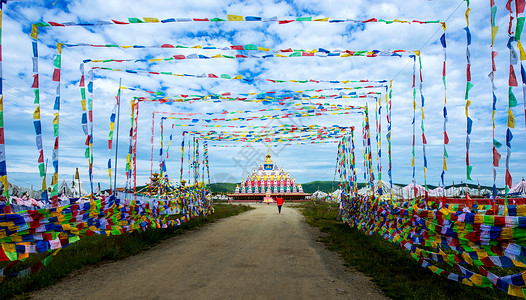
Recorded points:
(3, 163)
(117, 139)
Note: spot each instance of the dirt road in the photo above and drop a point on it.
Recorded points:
(256, 255)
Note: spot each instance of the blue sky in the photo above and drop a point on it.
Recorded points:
(305, 162)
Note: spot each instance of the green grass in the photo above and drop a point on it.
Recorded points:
(391, 268)
(97, 249)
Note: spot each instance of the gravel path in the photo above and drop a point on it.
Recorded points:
(256, 255)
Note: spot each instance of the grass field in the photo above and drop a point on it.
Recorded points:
(98, 249)
(391, 268)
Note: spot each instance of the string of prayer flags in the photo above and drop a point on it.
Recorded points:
(389, 132)
(3, 163)
(230, 18)
(512, 101)
(422, 128)
(496, 144)
(224, 76)
(37, 123)
(444, 114)
(414, 119)
(469, 85)
(287, 53)
(56, 114)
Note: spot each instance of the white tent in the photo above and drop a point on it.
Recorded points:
(319, 195)
(408, 191)
(336, 195)
(519, 187)
(438, 192)
(453, 192)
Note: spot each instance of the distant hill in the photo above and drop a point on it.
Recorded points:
(223, 187)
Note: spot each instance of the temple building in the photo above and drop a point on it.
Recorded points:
(268, 178)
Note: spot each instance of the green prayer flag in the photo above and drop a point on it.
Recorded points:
(468, 172)
(518, 30)
(469, 85)
(42, 169)
(135, 20)
(250, 47)
(56, 62)
(497, 143)
(304, 19)
(512, 99)
(37, 96)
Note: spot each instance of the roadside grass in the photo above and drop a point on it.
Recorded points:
(98, 249)
(392, 269)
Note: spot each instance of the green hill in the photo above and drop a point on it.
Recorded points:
(223, 187)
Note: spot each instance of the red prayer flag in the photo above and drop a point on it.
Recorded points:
(508, 178)
(446, 138)
(519, 6)
(512, 79)
(237, 47)
(179, 56)
(285, 21)
(35, 81)
(370, 20)
(496, 157)
(119, 22)
(56, 75)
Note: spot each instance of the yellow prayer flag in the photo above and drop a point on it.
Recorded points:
(515, 291)
(444, 165)
(59, 48)
(521, 50)
(511, 119)
(55, 120)
(155, 59)
(217, 56)
(238, 77)
(150, 20)
(467, 15)
(197, 47)
(235, 18)
(263, 49)
(443, 25)
(9, 247)
(494, 31)
(36, 114)
(399, 21)
(417, 52)
(322, 20)
(413, 162)
(34, 31)
(125, 47)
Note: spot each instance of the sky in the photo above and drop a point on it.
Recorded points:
(304, 162)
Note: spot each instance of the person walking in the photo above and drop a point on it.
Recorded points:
(279, 201)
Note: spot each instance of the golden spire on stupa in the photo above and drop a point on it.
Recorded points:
(268, 160)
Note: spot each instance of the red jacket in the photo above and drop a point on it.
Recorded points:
(279, 200)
